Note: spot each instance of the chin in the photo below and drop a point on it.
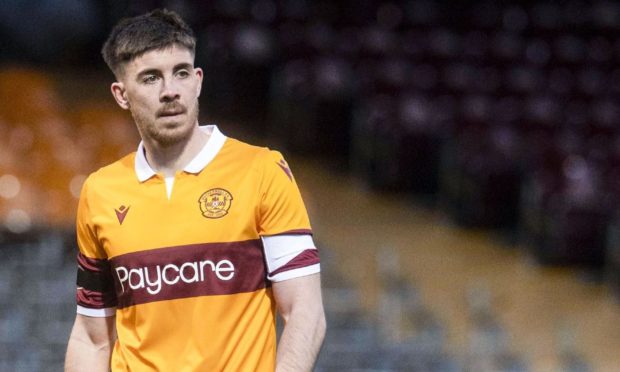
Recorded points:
(171, 136)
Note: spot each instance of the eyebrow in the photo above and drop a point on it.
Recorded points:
(181, 66)
(177, 67)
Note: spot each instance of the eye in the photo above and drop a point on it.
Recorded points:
(149, 79)
(183, 74)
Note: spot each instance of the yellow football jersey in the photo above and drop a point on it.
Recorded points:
(186, 263)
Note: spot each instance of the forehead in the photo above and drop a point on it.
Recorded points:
(160, 59)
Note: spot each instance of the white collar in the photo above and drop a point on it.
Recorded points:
(200, 161)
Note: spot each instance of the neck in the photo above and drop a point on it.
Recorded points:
(170, 159)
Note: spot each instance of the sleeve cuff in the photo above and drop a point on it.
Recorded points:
(296, 273)
(281, 249)
(96, 313)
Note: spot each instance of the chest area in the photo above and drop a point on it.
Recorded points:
(199, 210)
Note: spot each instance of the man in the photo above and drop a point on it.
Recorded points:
(188, 246)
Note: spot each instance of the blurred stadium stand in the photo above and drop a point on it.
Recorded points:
(501, 116)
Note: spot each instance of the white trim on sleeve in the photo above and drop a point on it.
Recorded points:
(281, 249)
(96, 313)
(295, 273)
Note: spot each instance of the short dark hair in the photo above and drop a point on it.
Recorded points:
(132, 37)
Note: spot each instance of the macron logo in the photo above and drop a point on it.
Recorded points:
(286, 169)
(121, 212)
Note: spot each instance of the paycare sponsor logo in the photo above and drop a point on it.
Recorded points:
(153, 278)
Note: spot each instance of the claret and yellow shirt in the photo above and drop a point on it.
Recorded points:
(186, 263)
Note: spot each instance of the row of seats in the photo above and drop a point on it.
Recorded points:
(37, 302)
(401, 333)
(335, 76)
(546, 16)
(430, 43)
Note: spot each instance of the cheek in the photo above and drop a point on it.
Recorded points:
(192, 89)
(143, 103)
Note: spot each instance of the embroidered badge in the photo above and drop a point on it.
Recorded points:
(215, 203)
(121, 213)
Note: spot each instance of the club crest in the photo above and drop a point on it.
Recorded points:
(215, 203)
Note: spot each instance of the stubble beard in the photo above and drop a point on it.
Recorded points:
(165, 137)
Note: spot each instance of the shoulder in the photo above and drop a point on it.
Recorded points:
(266, 164)
(114, 173)
(250, 155)
(243, 148)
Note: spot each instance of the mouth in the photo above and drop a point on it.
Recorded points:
(170, 113)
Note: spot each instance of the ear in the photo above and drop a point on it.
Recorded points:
(120, 94)
(199, 73)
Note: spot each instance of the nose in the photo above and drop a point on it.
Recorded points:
(169, 91)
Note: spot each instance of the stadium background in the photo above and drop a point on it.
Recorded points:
(460, 162)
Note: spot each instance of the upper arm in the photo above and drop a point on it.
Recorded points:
(90, 344)
(299, 294)
(97, 331)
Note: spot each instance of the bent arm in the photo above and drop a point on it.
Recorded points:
(300, 304)
(90, 344)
